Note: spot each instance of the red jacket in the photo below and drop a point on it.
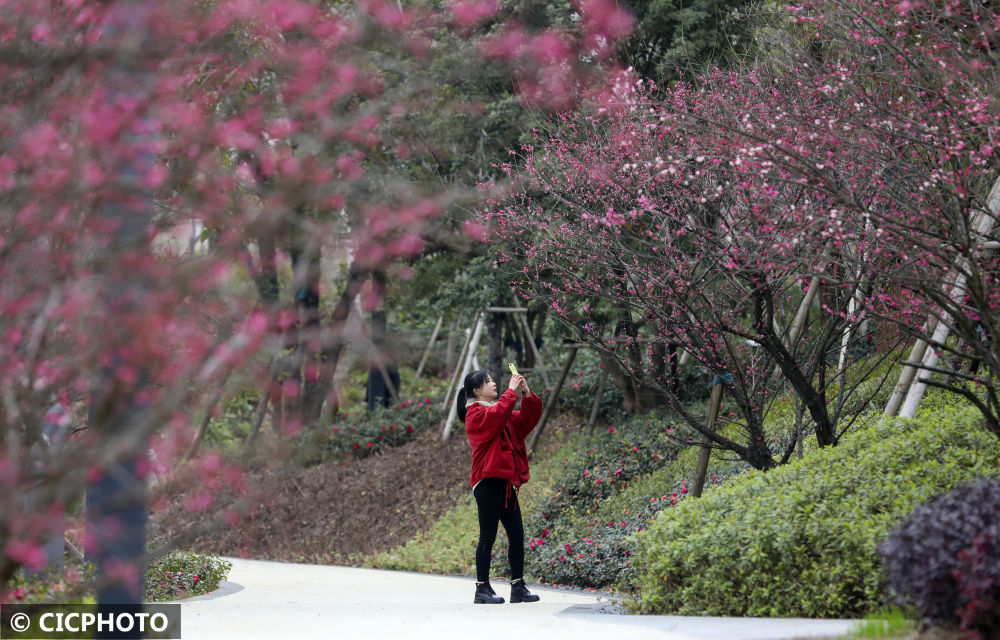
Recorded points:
(497, 436)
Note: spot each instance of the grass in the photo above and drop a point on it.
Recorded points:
(888, 624)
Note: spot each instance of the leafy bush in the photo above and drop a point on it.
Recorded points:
(580, 388)
(73, 585)
(181, 575)
(363, 433)
(617, 456)
(176, 575)
(943, 560)
(594, 550)
(801, 540)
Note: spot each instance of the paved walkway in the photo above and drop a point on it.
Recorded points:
(279, 600)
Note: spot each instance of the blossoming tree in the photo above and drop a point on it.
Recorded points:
(263, 120)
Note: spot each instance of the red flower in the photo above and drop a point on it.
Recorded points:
(355, 446)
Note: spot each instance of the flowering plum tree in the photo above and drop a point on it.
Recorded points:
(689, 250)
(261, 119)
(921, 81)
(701, 213)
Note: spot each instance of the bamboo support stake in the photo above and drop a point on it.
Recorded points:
(905, 379)
(530, 339)
(473, 345)
(458, 365)
(982, 225)
(551, 401)
(799, 325)
(911, 364)
(427, 351)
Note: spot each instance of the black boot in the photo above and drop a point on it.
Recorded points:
(486, 595)
(519, 592)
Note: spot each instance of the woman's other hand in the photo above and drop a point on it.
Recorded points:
(524, 386)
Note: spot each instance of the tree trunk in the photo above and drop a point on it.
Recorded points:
(308, 344)
(529, 351)
(333, 342)
(814, 399)
(383, 373)
(267, 273)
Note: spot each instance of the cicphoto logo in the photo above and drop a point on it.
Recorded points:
(71, 621)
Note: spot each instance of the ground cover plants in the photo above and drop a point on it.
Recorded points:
(175, 575)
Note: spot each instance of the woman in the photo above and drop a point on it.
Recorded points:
(499, 467)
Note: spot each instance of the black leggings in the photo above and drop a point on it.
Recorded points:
(491, 495)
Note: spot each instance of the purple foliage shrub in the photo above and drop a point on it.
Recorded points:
(944, 560)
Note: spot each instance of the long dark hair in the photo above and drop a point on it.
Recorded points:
(472, 382)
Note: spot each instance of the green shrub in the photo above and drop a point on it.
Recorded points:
(616, 457)
(595, 550)
(175, 575)
(363, 433)
(800, 540)
(580, 388)
(73, 585)
(181, 575)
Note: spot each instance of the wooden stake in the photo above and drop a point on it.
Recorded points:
(430, 347)
(597, 402)
(458, 365)
(983, 224)
(701, 470)
(551, 401)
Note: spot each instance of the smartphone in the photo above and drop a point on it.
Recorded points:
(513, 369)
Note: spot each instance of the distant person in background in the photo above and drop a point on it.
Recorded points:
(499, 467)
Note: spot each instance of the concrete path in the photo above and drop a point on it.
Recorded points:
(279, 600)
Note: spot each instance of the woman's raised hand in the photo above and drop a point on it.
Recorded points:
(524, 386)
(516, 381)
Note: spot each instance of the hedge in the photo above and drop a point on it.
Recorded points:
(801, 540)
